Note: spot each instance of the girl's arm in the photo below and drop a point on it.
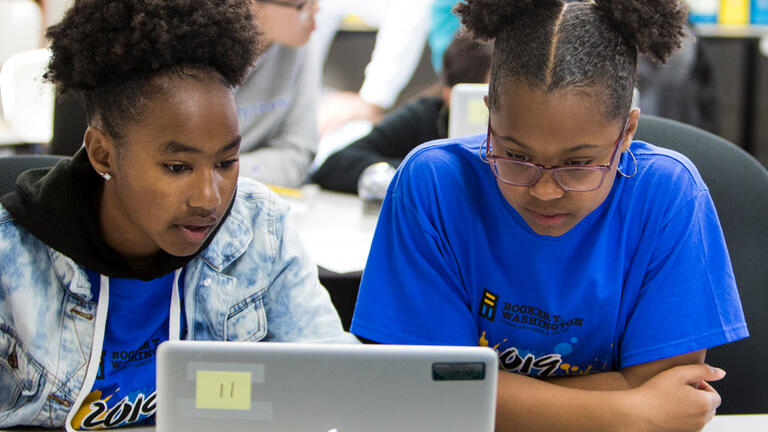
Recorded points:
(630, 377)
(665, 395)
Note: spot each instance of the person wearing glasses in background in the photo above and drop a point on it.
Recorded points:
(593, 264)
(277, 103)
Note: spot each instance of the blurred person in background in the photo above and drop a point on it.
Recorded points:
(276, 104)
(401, 37)
(425, 119)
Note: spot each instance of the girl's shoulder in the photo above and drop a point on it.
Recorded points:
(663, 167)
(256, 203)
(451, 166)
(448, 150)
(10, 230)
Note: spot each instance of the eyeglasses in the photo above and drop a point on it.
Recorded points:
(580, 178)
(304, 7)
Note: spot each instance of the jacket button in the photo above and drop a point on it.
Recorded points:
(207, 282)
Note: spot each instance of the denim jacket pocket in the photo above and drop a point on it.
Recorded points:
(247, 319)
(19, 378)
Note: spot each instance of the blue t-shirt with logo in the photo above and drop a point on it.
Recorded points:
(138, 319)
(645, 276)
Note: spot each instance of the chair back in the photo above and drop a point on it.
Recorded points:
(738, 184)
(27, 99)
(12, 166)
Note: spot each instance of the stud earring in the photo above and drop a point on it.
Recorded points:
(106, 175)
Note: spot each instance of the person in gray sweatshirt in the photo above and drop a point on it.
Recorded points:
(276, 105)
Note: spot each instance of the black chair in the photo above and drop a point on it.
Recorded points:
(69, 125)
(739, 187)
(343, 288)
(12, 166)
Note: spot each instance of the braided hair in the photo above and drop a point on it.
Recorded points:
(590, 46)
(112, 51)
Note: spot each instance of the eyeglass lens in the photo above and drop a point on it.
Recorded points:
(525, 175)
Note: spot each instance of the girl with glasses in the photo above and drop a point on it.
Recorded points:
(146, 234)
(593, 264)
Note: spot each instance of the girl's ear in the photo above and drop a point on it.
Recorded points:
(629, 135)
(101, 150)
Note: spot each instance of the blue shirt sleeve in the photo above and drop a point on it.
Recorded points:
(689, 271)
(411, 291)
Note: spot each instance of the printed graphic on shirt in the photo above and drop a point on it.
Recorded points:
(488, 305)
(538, 320)
(96, 412)
(545, 364)
(121, 360)
(531, 340)
(248, 111)
(110, 404)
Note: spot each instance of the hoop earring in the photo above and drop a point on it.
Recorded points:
(635, 161)
(107, 176)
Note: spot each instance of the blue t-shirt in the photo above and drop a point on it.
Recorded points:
(643, 277)
(138, 319)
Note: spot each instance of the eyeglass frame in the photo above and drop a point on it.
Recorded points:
(604, 168)
(296, 5)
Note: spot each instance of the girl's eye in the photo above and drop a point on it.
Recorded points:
(579, 162)
(228, 163)
(517, 156)
(175, 168)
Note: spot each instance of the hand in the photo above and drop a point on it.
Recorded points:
(340, 108)
(678, 399)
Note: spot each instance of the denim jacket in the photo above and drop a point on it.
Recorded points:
(253, 282)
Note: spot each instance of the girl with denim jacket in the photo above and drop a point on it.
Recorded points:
(146, 234)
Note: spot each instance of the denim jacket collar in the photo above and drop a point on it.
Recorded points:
(230, 242)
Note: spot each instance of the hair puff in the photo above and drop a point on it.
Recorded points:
(102, 42)
(655, 27)
(486, 18)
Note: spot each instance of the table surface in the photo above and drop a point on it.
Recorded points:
(336, 228)
(724, 423)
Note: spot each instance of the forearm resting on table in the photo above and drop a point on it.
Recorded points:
(627, 378)
(529, 404)
(655, 396)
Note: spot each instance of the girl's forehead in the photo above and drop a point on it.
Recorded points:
(523, 106)
(551, 122)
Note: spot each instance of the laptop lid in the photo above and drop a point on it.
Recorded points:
(468, 114)
(286, 387)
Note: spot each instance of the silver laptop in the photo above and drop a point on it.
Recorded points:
(468, 114)
(286, 387)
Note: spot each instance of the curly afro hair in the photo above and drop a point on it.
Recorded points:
(587, 45)
(110, 50)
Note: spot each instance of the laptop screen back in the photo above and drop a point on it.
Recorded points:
(468, 114)
(237, 387)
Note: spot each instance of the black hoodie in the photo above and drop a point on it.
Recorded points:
(60, 206)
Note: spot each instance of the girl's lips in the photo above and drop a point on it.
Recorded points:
(195, 233)
(551, 219)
